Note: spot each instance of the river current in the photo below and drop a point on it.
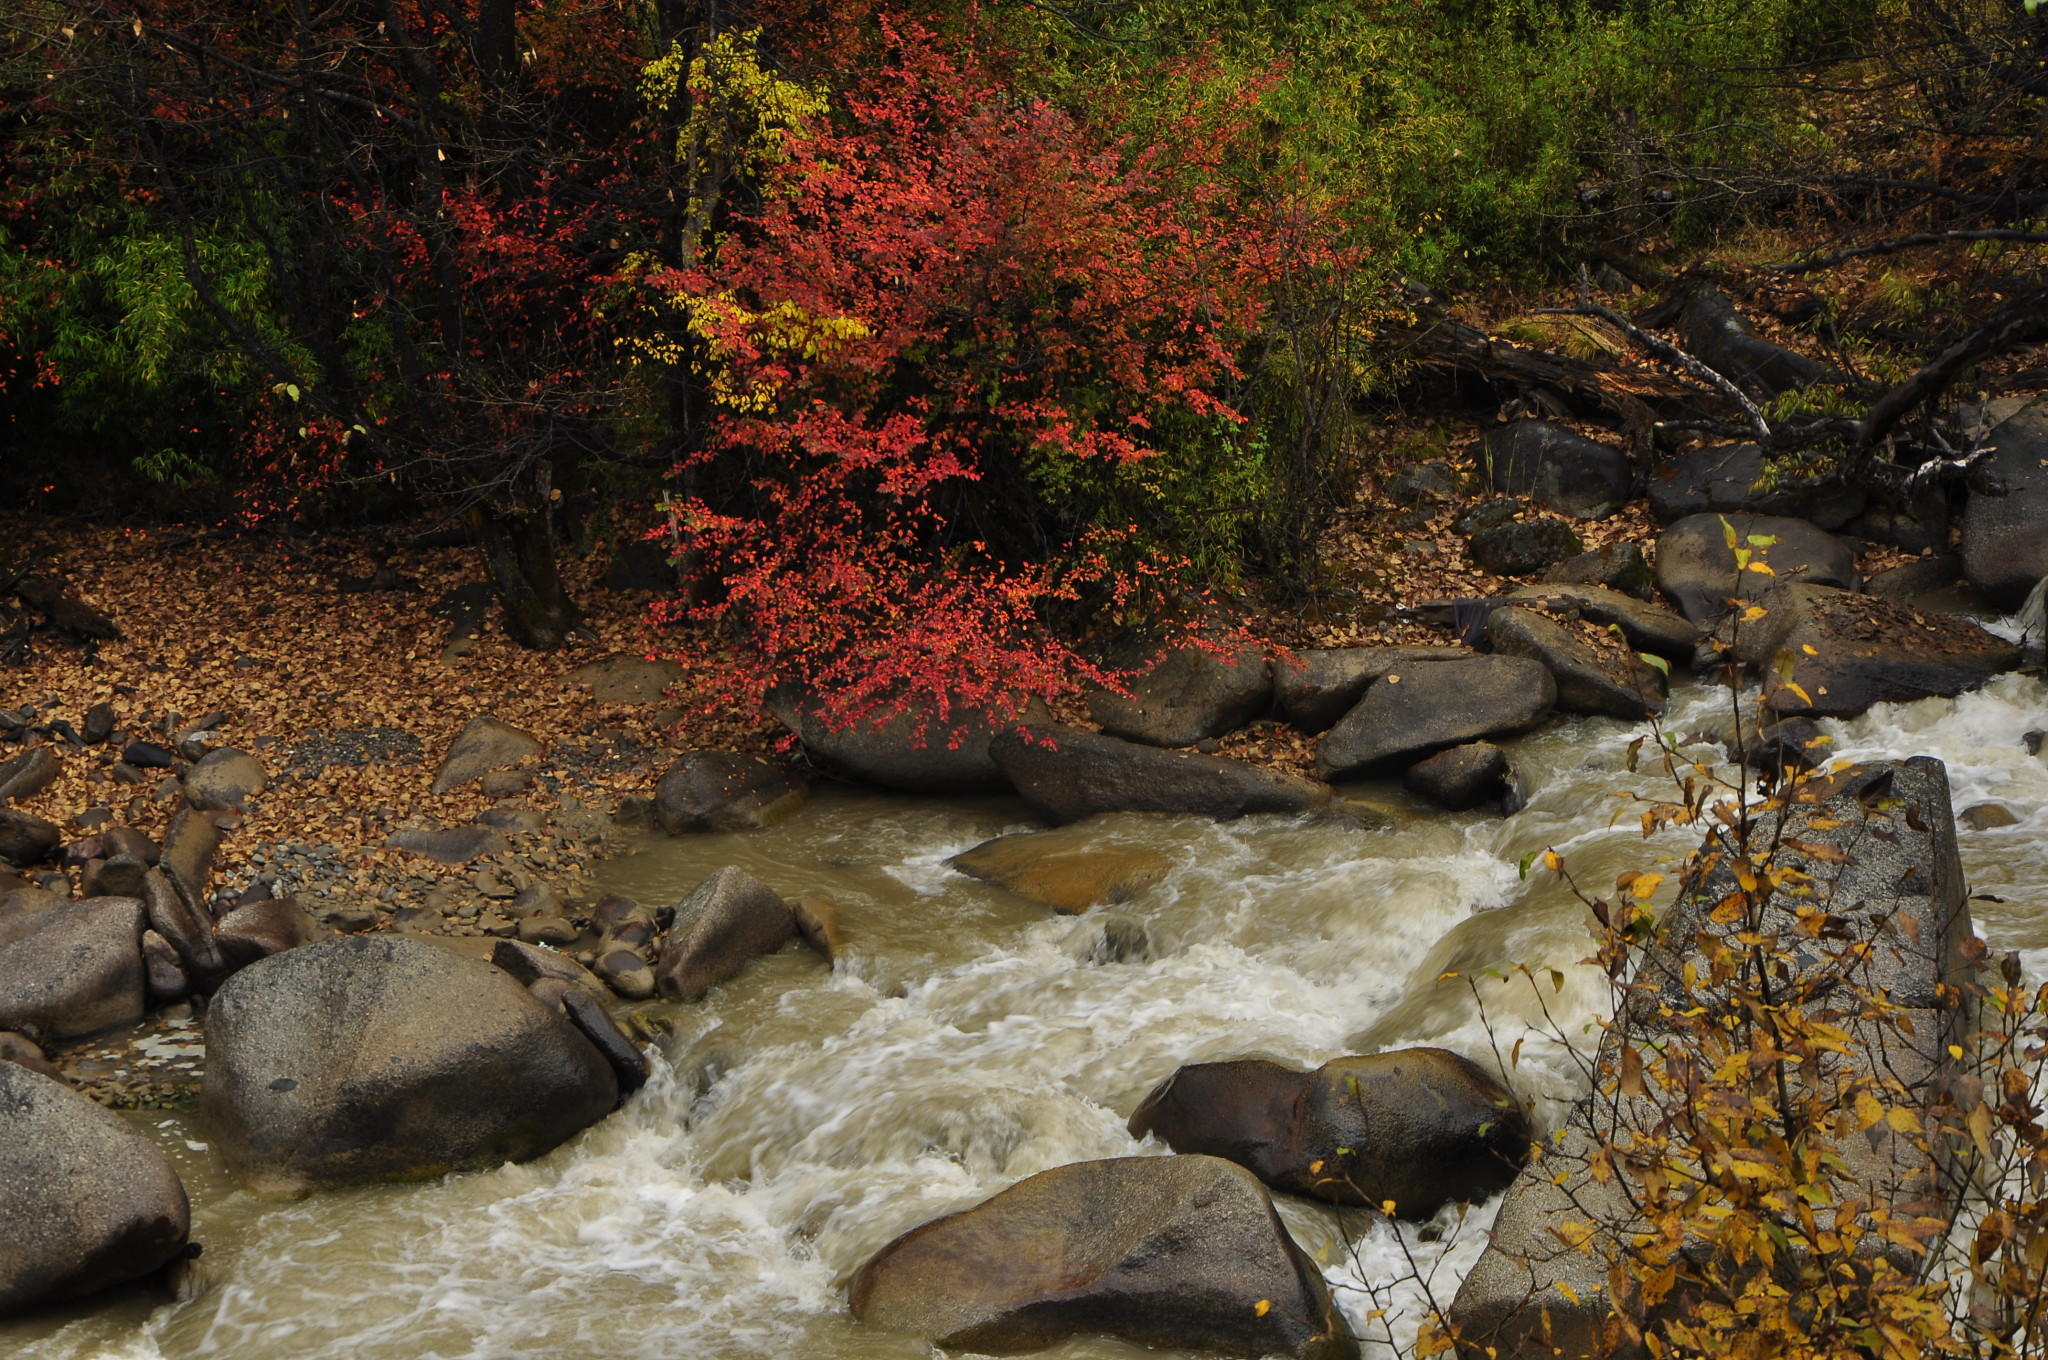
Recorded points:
(804, 1115)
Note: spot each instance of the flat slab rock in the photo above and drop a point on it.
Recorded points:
(1068, 774)
(1593, 675)
(1314, 688)
(625, 679)
(1070, 869)
(1433, 708)
(916, 750)
(1831, 653)
(450, 845)
(1183, 1252)
(1190, 694)
(88, 1200)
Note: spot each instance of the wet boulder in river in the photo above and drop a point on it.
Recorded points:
(1464, 777)
(1648, 627)
(374, 1058)
(1068, 774)
(1189, 694)
(917, 750)
(75, 971)
(87, 1200)
(727, 791)
(1696, 566)
(1070, 868)
(1414, 713)
(727, 921)
(2005, 538)
(1315, 688)
(1559, 469)
(1180, 1252)
(1422, 1127)
(1830, 653)
(1593, 674)
(190, 844)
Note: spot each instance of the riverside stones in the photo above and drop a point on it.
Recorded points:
(1070, 869)
(1879, 842)
(1524, 547)
(2005, 538)
(1696, 567)
(1648, 627)
(450, 845)
(1830, 653)
(1618, 567)
(917, 750)
(1722, 338)
(1559, 469)
(29, 773)
(1190, 694)
(1181, 1252)
(26, 839)
(1067, 774)
(76, 971)
(1421, 1127)
(1464, 777)
(190, 844)
(260, 929)
(87, 1200)
(372, 1058)
(726, 922)
(724, 791)
(1723, 480)
(1590, 678)
(1415, 713)
(484, 745)
(1315, 688)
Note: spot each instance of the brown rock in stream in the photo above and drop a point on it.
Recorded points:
(1069, 869)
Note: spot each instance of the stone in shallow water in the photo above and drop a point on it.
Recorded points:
(1160, 1251)
(1070, 869)
(727, 921)
(1068, 774)
(1432, 708)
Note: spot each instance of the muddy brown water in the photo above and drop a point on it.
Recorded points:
(804, 1115)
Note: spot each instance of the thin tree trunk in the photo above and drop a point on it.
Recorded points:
(518, 546)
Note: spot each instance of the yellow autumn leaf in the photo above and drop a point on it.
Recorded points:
(1868, 1109)
(1760, 568)
(1262, 1307)
(1902, 1120)
(1644, 885)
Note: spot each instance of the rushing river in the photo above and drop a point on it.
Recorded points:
(968, 1038)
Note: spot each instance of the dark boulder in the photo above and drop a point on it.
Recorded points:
(585, 1011)
(1722, 338)
(1177, 1252)
(1191, 693)
(2005, 538)
(727, 921)
(1932, 585)
(1831, 653)
(223, 780)
(1524, 547)
(121, 876)
(1618, 567)
(188, 929)
(724, 791)
(484, 745)
(1594, 674)
(26, 839)
(88, 1200)
(260, 929)
(163, 972)
(1430, 481)
(99, 723)
(1313, 689)
(1433, 708)
(1724, 479)
(126, 840)
(375, 1058)
(147, 755)
(642, 564)
(1920, 524)
(1647, 627)
(1697, 569)
(919, 749)
(1070, 869)
(529, 963)
(1463, 777)
(76, 971)
(1068, 774)
(1422, 1127)
(1558, 469)
(1487, 515)
(29, 773)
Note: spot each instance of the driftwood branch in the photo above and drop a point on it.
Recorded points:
(1917, 239)
(1673, 355)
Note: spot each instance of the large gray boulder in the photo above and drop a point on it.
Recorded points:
(484, 745)
(727, 791)
(727, 921)
(917, 750)
(87, 1200)
(1433, 708)
(1555, 467)
(1648, 627)
(1067, 774)
(1724, 479)
(1878, 842)
(1315, 688)
(379, 1057)
(28, 773)
(1178, 1252)
(1593, 675)
(1190, 694)
(1697, 569)
(1830, 653)
(76, 971)
(2005, 538)
(1421, 1127)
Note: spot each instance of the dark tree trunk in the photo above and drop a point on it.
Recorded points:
(518, 545)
